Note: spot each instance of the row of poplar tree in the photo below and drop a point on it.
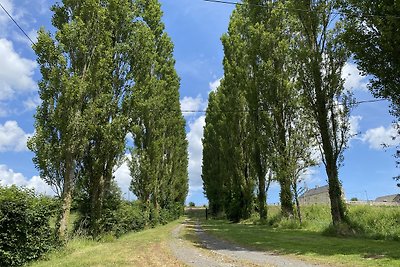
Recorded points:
(282, 98)
(107, 73)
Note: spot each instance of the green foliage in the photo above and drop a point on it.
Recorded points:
(110, 210)
(159, 158)
(213, 166)
(108, 70)
(130, 217)
(372, 35)
(120, 216)
(256, 128)
(191, 204)
(321, 56)
(377, 222)
(25, 232)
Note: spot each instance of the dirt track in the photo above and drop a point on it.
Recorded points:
(210, 251)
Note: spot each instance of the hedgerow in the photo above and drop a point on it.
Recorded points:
(25, 232)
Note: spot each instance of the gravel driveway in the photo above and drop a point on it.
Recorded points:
(210, 251)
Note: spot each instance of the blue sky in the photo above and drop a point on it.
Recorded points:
(195, 27)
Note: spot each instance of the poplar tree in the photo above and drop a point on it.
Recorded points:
(159, 158)
(236, 142)
(265, 73)
(235, 146)
(88, 73)
(213, 162)
(59, 124)
(109, 94)
(322, 56)
(273, 102)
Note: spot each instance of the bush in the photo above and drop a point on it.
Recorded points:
(130, 218)
(25, 232)
(109, 214)
(191, 204)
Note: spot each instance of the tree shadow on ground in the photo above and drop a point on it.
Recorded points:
(293, 241)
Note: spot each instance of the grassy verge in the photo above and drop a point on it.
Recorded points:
(145, 248)
(306, 244)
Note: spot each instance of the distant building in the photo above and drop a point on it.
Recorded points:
(389, 198)
(318, 195)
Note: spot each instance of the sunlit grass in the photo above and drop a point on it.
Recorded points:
(307, 244)
(145, 248)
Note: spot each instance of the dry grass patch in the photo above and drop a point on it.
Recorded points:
(146, 248)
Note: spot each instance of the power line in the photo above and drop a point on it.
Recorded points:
(246, 111)
(16, 23)
(370, 101)
(211, 1)
(297, 9)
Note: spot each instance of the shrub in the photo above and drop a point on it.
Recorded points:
(130, 218)
(191, 204)
(109, 213)
(25, 232)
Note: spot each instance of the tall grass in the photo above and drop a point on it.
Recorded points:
(377, 222)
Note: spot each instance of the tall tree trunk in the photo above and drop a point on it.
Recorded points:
(331, 168)
(262, 196)
(286, 197)
(335, 191)
(296, 198)
(96, 204)
(335, 195)
(68, 186)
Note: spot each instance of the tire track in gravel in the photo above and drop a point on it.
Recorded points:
(211, 251)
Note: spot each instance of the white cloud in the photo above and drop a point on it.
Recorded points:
(379, 137)
(194, 137)
(123, 178)
(352, 77)
(32, 102)
(9, 177)
(40, 186)
(20, 37)
(354, 125)
(192, 104)
(310, 176)
(16, 77)
(215, 84)
(12, 137)
(3, 16)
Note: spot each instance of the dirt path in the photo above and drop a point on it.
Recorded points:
(210, 251)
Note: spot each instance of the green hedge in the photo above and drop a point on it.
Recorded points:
(25, 233)
(130, 218)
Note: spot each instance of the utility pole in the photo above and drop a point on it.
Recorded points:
(366, 194)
